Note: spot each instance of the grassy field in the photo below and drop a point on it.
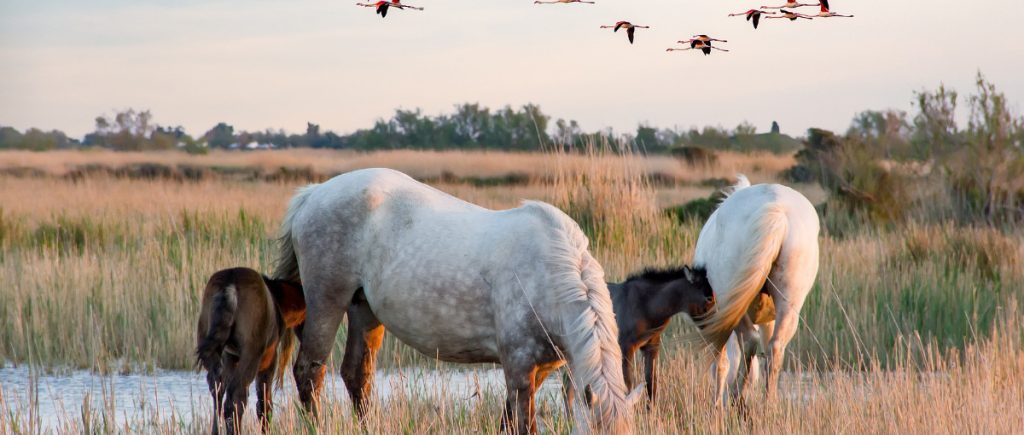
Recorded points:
(911, 327)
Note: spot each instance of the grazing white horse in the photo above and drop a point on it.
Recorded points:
(457, 282)
(760, 250)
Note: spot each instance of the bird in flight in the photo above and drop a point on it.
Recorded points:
(697, 44)
(753, 15)
(706, 38)
(826, 13)
(630, 28)
(383, 6)
(789, 4)
(792, 16)
(551, 2)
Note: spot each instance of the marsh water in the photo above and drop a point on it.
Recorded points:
(184, 395)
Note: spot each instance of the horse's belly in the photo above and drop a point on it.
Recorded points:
(450, 326)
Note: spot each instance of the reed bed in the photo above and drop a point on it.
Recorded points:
(911, 327)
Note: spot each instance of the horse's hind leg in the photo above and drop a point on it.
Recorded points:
(785, 327)
(265, 388)
(238, 380)
(365, 335)
(789, 298)
(215, 380)
(326, 303)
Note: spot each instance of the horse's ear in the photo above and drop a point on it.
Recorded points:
(689, 274)
(634, 396)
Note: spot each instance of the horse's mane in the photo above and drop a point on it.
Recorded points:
(590, 334)
(664, 275)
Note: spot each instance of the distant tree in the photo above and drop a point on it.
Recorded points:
(127, 130)
(221, 135)
(647, 140)
(38, 140)
(745, 129)
(775, 128)
(10, 138)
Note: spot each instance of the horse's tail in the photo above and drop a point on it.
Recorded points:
(748, 275)
(284, 354)
(222, 321)
(595, 359)
(742, 182)
(287, 262)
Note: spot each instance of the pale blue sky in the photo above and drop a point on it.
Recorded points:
(279, 63)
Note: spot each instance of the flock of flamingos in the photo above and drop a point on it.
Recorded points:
(697, 42)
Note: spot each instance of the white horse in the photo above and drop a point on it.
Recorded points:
(760, 249)
(457, 282)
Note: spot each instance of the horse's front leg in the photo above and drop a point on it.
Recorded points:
(747, 339)
(520, 384)
(650, 354)
(568, 389)
(365, 335)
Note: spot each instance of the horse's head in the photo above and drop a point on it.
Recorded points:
(701, 298)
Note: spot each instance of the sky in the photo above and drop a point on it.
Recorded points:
(260, 64)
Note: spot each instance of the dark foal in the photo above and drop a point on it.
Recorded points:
(644, 304)
(244, 320)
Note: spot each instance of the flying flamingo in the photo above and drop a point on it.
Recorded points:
(825, 13)
(792, 16)
(753, 14)
(383, 6)
(551, 2)
(702, 43)
(630, 28)
(706, 38)
(790, 4)
(697, 44)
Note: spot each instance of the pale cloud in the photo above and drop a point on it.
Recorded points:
(259, 64)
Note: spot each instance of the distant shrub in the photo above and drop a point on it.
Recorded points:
(889, 169)
(696, 156)
(698, 210)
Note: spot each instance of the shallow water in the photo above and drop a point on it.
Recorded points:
(184, 395)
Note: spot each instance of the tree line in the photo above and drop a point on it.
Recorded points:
(469, 126)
